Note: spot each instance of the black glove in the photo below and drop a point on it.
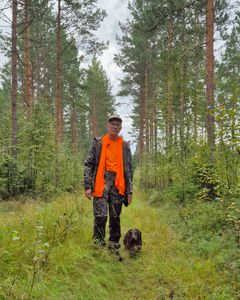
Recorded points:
(125, 201)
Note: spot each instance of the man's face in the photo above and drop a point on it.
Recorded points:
(114, 127)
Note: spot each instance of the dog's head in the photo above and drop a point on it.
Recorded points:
(133, 241)
(134, 234)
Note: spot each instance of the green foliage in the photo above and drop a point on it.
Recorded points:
(40, 168)
(70, 171)
(206, 228)
(233, 219)
(206, 179)
(195, 175)
(99, 97)
(9, 181)
(36, 152)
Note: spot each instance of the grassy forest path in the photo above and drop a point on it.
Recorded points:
(46, 253)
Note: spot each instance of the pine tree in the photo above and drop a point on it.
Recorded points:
(100, 98)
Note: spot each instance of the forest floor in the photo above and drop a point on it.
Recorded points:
(46, 253)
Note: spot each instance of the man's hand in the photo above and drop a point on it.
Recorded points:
(129, 198)
(88, 194)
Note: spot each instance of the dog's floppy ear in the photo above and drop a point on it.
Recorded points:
(129, 234)
(140, 237)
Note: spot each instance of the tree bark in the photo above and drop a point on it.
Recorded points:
(146, 103)
(153, 119)
(38, 64)
(14, 78)
(210, 122)
(182, 107)
(196, 80)
(74, 130)
(27, 59)
(169, 131)
(94, 116)
(141, 122)
(58, 101)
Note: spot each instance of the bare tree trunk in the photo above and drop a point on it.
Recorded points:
(74, 129)
(210, 122)
(141, 122)
(146, 103)
(169, 132)
(151, 125)
(233, 121)
(196, 80)
(49, 104)
(61, 122)
(182, 107)
(195, 105)
(182, 104)
(155, 122)
(153, 118)
(94, 116)
(45, 83)
(38, 64)
(23, 100)
(58, 101)
(14, 78)
(27, 59)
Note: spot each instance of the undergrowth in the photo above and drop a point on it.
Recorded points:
(46, 253)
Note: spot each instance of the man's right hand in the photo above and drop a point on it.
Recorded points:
(88, 194)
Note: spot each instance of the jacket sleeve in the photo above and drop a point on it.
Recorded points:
(89, 166)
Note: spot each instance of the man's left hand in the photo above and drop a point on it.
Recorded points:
(129, 199)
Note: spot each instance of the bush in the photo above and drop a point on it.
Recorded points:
(40, 168)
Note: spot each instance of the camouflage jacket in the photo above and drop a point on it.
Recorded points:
(92, 162)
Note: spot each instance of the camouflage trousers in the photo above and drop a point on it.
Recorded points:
(110, 203)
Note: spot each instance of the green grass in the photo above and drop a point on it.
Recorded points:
(54, 239)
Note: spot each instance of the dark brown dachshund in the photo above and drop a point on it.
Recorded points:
(133, 241)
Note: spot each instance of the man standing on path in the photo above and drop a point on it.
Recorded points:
(108, 178)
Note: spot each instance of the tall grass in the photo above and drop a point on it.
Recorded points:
(46, 253)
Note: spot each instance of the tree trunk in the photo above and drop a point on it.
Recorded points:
(74, 130)
(153, 119)
(145, 87)
(196, 80)
(210, 122)
(27, 59)
(45, 84)
(182, 107)
(94, 116)
(14, 78)
(169, 132)
(58, 101)
(141, 121)
(38, 64)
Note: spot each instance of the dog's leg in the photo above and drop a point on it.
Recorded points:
(132, 252)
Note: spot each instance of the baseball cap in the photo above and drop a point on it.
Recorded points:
(115, 117)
